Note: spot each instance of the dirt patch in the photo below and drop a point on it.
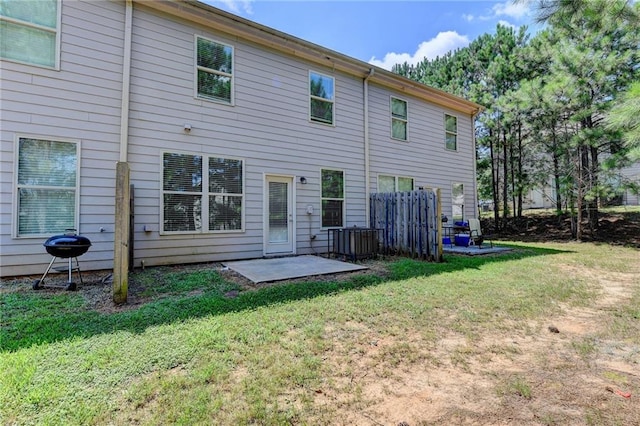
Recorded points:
(557, 371)
(621, 228)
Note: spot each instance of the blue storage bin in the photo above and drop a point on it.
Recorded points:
(446, 241)
(462, 240)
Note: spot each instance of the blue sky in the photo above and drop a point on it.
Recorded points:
(384, 32)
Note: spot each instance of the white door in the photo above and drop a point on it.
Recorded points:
(279, 219)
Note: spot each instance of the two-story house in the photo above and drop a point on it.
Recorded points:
(241, 141)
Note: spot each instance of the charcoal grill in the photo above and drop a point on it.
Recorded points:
(65, 246)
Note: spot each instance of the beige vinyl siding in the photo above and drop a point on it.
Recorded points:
(268, 127)
(424, 156)
(81, 101)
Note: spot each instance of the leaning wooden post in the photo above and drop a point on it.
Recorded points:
(121, 239)
(439, 222)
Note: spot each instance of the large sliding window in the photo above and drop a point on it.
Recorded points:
(322, 97)
(47, 187)
(30, 31)
(388, 183)
(202, 194)
(332, 198)
(214, 70)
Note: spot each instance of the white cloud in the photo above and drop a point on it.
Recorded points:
(507, 24)
(235, 6)
(468, 17)
(437, 46)
(511, 9)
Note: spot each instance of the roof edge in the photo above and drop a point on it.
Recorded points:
(234, 25)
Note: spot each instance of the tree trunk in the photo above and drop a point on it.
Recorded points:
(494, 181)
(593, 212)
(505, 179)
(520, 170)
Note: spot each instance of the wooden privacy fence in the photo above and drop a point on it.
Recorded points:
(410, 222)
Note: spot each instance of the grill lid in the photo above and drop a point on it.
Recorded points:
(67, 245)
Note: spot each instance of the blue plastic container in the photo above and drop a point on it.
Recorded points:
(462, 240)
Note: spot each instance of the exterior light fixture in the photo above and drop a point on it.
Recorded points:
(303, 180)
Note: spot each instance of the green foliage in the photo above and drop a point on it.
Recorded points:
(547, 99)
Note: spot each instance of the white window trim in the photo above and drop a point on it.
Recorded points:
(57, 31)
(343, 199)
(395, 178)
(16, 186)
(332, 101)
(451, 133)
(197, 67)
(404, 120)
(204, 194)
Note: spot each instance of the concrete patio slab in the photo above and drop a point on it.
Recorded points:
(474, 250)
(283, 268)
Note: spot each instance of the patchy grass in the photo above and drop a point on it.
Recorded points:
(462, 341)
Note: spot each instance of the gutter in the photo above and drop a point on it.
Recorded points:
(367, 165)
(126, 82)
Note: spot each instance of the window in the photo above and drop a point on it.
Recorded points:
(29, 31)
(214, 69)
(321, 93)
(202, 194)
(47, 187)
(394, 183)
(457, 201)
(451, 132)
(332, 198)
(399, 119)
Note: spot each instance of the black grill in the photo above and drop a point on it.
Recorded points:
(65, 246)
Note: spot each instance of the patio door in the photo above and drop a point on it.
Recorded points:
(279, 217)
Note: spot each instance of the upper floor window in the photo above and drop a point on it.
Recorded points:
(29, 31)
(214, 70)
(46, 187)
(201, 194)
(322, 96)
(399, 119)
(451, 132)
(394, 183)
(332, 198)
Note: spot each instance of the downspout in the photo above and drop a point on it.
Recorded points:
(367, 178)
(126, 77)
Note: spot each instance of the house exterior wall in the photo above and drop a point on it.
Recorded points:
(544, 197)
(267, 127)
(632, 174)
(79, 102)
(423, 156)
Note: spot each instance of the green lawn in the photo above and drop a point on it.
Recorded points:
(269, 356)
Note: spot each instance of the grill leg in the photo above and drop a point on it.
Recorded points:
(36, 285)
(70, 269)
(78, 269)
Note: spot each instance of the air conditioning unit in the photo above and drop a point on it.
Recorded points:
(355, 243)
